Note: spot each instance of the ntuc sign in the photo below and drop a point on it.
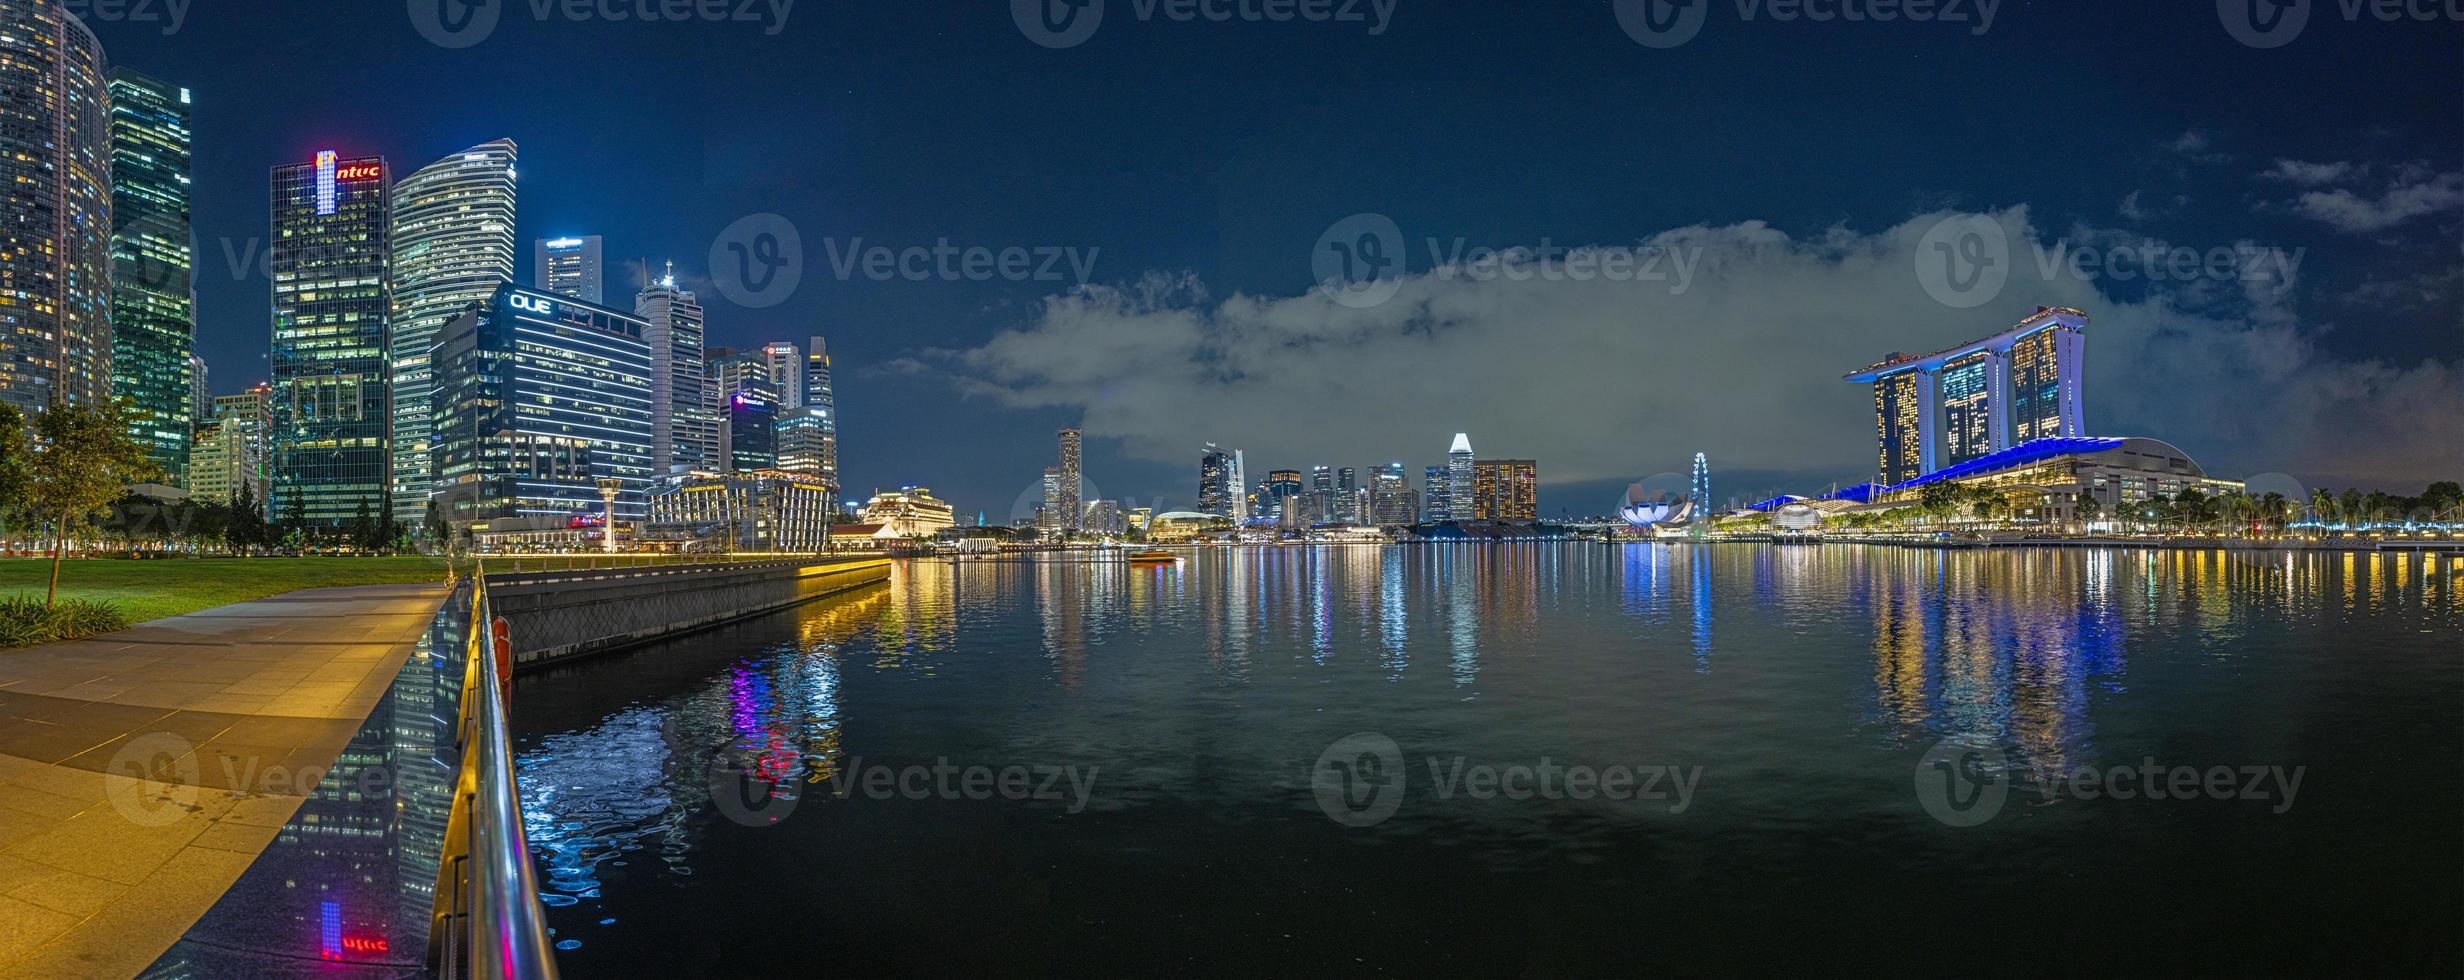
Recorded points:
(360, 171)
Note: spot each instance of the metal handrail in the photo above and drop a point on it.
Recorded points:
(489, 922)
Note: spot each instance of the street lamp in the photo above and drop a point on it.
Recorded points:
(608, 488)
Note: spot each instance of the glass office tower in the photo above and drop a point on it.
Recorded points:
(333, 308)
(153, 316)
(453, 246)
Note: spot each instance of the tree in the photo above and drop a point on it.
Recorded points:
(87, 459)
(2086, 509)
(2442, 498)
(16, 464)
(439, 533)
(1939, 498)
(2275, 511)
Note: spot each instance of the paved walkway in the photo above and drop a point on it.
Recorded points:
(142, 771)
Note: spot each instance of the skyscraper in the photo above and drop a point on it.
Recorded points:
(1437, 493)
(332, 303)
(231, 449)
(1239, 478)
(786, 366)
(803, 442)
(1048, 515)
(452, 247)
(200, 391)
(1347, 496)
(570, 267)
(1281, 485)
(748, 425)
(153, 314)
(1505, 490)
(1073, 513)
(537, 398)
(1216, 491)
(821, 400)
(1937, 410)
(1459, 479)
(55, 209)
(1390, 496)
(684, 419)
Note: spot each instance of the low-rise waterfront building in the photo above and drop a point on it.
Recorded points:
(909, 512)
(758, 510)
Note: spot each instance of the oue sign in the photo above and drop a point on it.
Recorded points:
(536, 304)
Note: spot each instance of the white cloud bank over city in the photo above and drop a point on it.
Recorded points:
(1603, 380)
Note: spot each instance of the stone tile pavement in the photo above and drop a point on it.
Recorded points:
(142, 771)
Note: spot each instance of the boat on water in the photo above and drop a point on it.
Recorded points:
(1153, 558)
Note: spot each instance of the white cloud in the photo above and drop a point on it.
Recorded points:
(2313, 174)
(2414, 194)
(1612, 380)
(2130, 207)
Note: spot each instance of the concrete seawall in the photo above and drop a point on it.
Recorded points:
(560, 615)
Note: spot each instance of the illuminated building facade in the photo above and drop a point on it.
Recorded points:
(1391, 499)
(570, 266)
(230, 450)
(1967, 402)
(909, 512)
(333, 306)
(537, 398)
(748, 423)
(821, 401)
(684, 422)
(804, 443)
(1061, 490)
(1459, 482)
(2050, 473)
(758, 510)
(1437, 493)
(55, 210)
(1699, 489)
(153, 311)
(1217, 492)
(1505, 490)
(453, 246)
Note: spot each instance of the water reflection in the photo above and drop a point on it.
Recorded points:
(1201, 688)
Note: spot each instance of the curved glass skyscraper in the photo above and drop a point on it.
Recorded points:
(55, 208)
(453, 247)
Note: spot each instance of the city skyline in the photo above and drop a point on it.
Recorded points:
(2335, 357)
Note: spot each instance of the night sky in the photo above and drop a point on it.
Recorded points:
(1200, 162)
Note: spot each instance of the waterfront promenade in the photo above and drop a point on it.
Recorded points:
(142, 771)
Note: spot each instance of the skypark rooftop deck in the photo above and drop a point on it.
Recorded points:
(2043, 318)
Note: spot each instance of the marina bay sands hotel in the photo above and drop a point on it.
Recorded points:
(1939, 410)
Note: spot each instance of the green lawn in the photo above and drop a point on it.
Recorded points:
(154, 589)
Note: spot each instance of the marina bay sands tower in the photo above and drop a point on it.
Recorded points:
(1938, 410)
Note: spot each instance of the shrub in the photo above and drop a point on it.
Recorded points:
(25, 621)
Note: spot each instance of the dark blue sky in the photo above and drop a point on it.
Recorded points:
(1223, 150)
